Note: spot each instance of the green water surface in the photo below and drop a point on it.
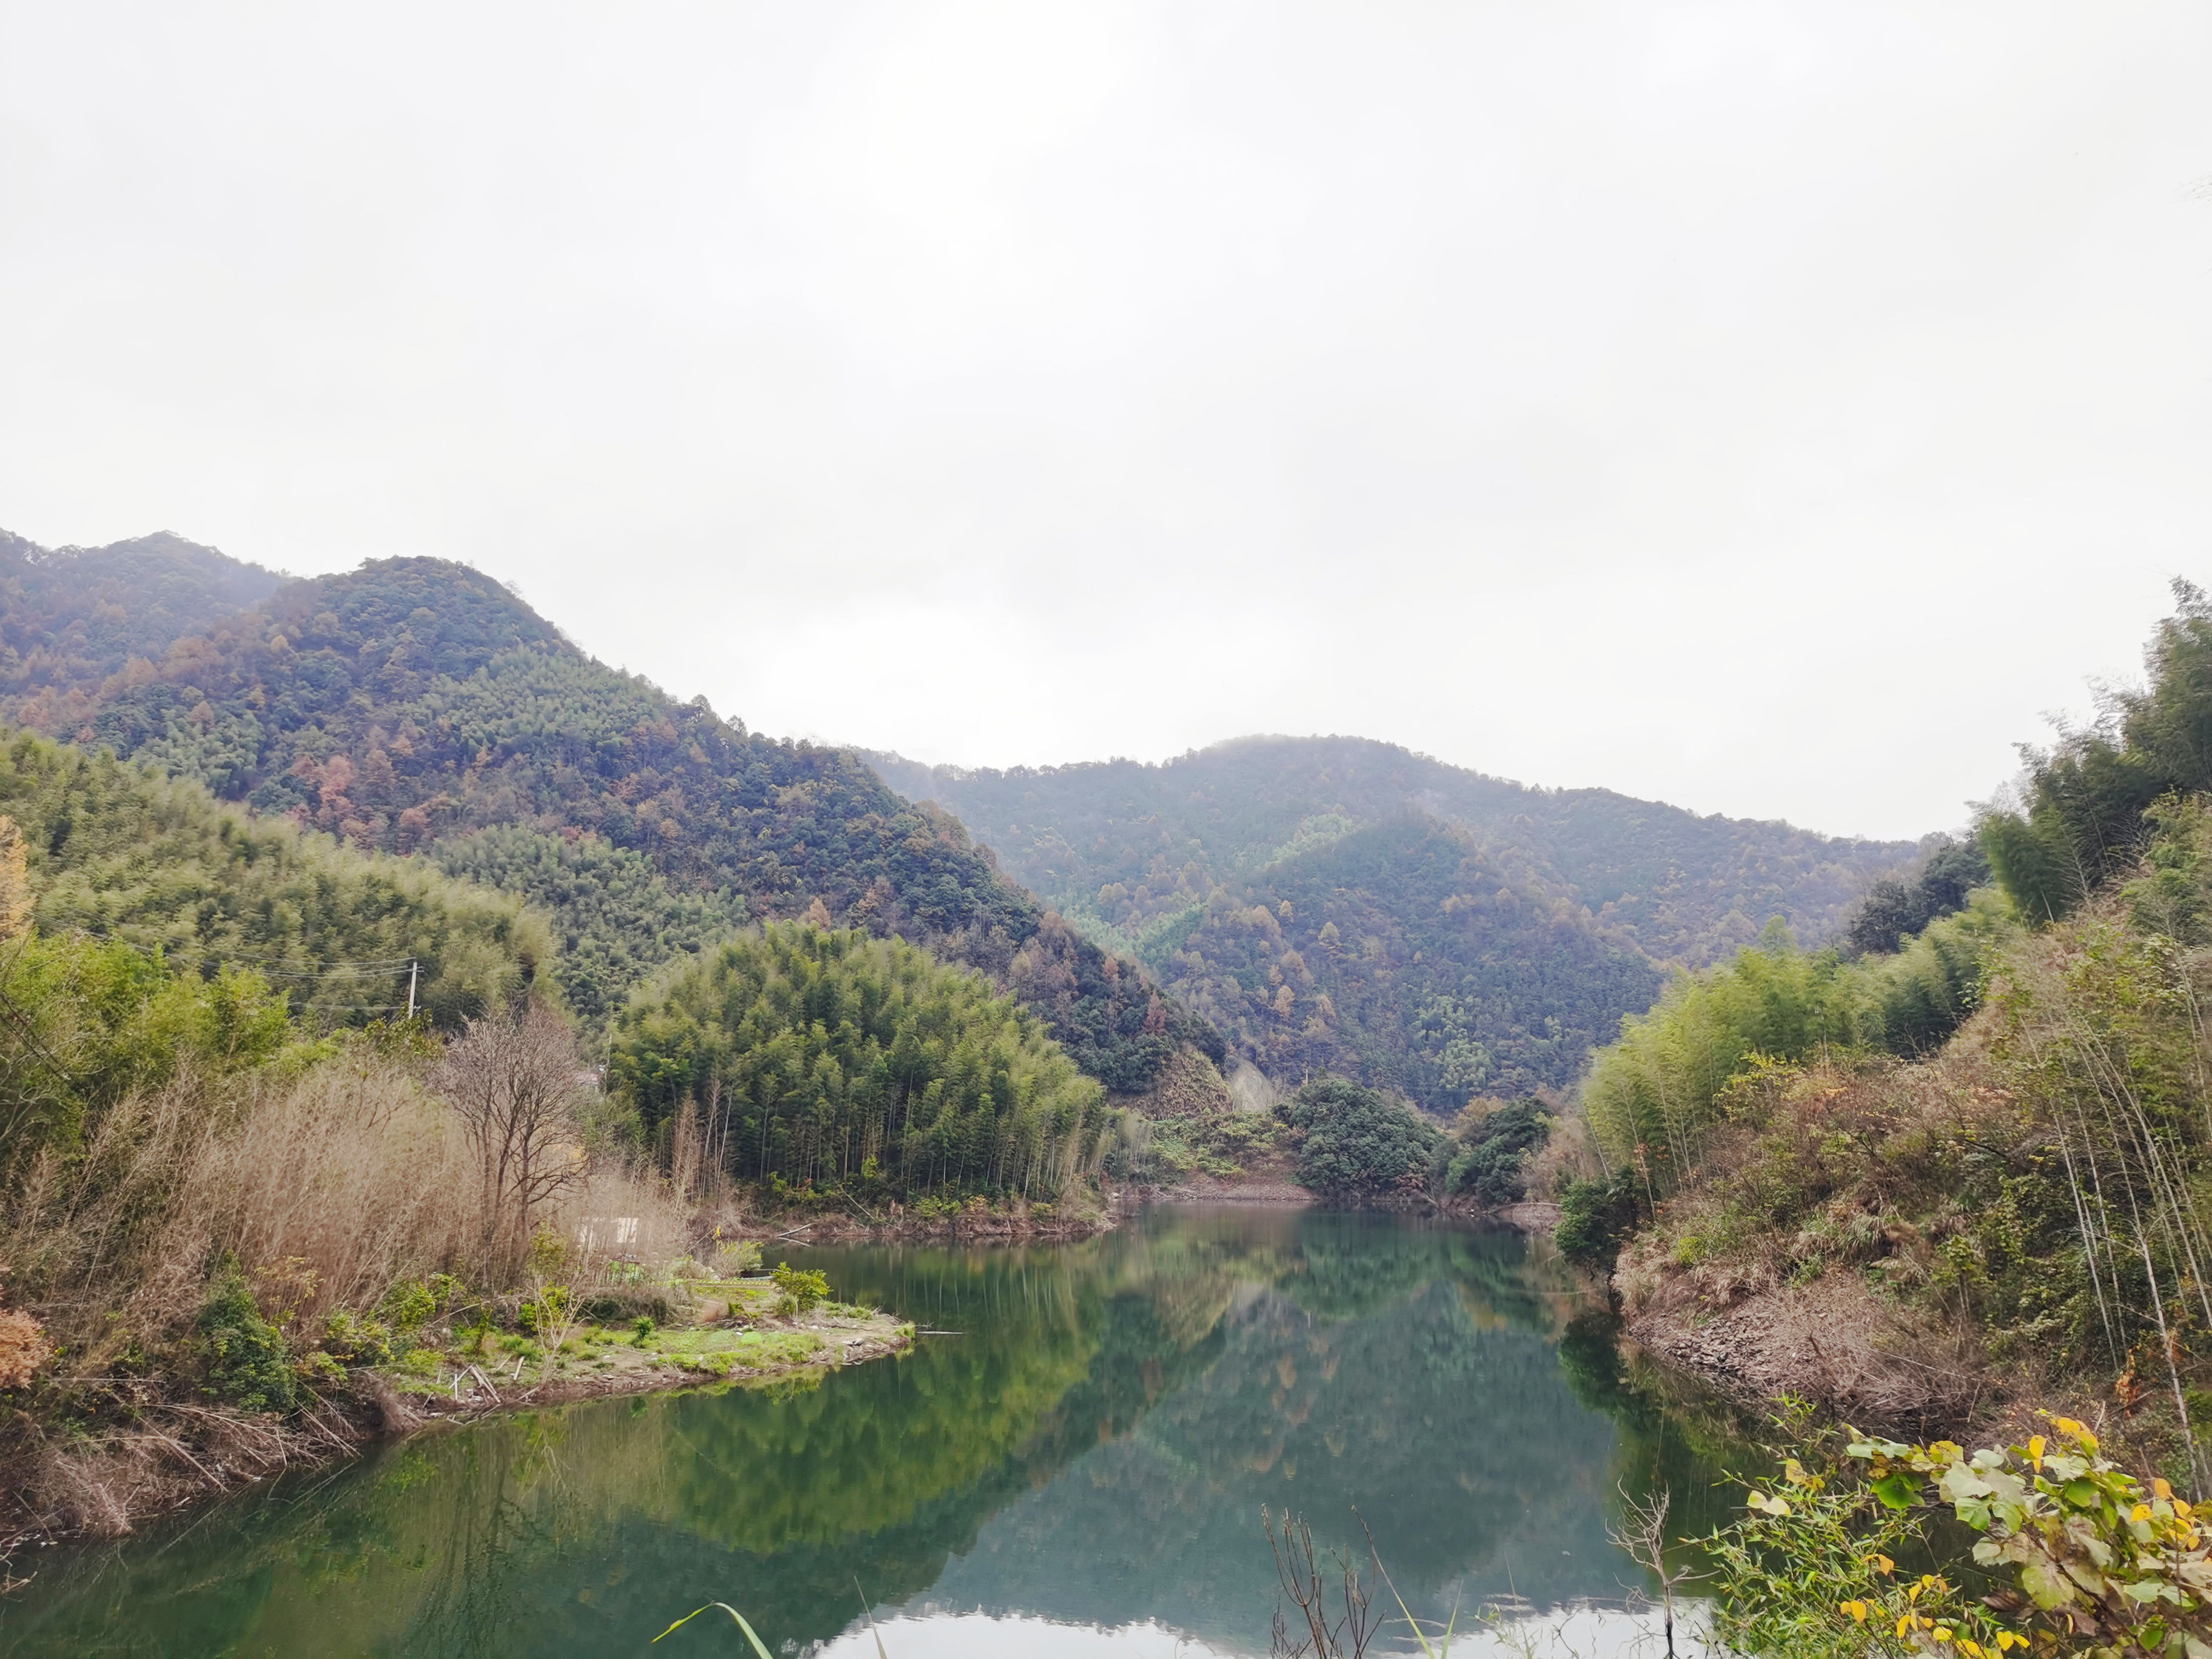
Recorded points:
(1090, 1452)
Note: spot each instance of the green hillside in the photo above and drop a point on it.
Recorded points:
(1339, 905)
(1404, 956)
(416, 706)
(1127, 844)
(121, 852)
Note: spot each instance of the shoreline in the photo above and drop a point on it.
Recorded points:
(138, 1477)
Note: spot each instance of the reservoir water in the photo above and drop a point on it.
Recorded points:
(1080, 1470)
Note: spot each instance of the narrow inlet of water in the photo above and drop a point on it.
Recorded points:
(1080, 1471)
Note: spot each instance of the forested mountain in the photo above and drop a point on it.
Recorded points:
(1132, 845)
(1403, 956)
(70, 616)
(1337, 904)
(416, 706)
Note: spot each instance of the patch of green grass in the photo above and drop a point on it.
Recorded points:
(722, 1351)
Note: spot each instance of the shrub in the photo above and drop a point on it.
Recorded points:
(22, 1345)
(243, 1356)
(1493, 1155)
(1355, 1144)
(2102, 1563)
(355, 1340)
(1597, 1218)
(802, 1290)
(410, 1306)
(738, 1257)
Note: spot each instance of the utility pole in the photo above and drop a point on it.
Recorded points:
(413, 968)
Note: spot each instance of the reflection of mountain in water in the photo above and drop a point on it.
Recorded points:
(1455, 1436)
(1094, 1447)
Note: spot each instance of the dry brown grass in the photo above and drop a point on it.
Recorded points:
(330, 1187)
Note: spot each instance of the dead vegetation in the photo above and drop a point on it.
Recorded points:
(342, 1196)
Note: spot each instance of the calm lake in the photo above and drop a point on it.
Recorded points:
(1080, 1471)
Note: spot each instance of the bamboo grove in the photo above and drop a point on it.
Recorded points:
(2007, 1119)
(808, 1056)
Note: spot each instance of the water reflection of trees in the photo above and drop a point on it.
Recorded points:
(1095, 1445)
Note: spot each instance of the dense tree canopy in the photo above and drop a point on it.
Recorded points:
(1337, 905)
(1895, 909)
(1356, 1144)
(1127, 846)
(1406, 958)
(2080, 818)
(119, 853)
(818, 1055)
(616, 918)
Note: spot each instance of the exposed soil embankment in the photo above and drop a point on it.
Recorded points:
(1834, 1342)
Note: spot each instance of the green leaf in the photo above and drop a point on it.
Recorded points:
(760, 1648)
(1899, 1489)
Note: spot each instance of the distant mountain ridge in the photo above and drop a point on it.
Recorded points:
(1344, 905)
(1682, 887)
(70, 616)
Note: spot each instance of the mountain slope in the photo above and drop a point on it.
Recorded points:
(417, 705)
(70, 616)
(1681, 888)
(1337, 904)
(1402, 955)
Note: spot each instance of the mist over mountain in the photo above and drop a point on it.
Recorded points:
(1341, 904)
(70, 616)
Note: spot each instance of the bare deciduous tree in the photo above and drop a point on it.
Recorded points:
(512, 1080)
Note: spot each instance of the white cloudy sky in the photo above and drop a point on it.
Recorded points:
(1773, 408)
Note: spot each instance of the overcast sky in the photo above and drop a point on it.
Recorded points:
(1774, 410)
